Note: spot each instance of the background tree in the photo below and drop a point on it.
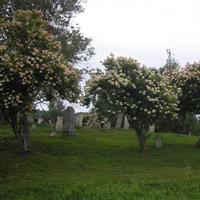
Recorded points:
(59, 14)
(32, 69)
(171, 71)
(189, 100)
(171, 63)
(140, 93)
(55, 109)
(190, 82)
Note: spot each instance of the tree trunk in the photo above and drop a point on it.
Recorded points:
(16, 129)
(19, 123)
(25, 133)
(142, 139)
(140, 130)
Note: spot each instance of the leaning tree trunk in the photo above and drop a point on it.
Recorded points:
(25, 133)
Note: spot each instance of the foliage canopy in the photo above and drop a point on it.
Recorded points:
(142, 94)
(32, 68)
(59, 14)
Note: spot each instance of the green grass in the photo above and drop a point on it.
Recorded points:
(99, 165)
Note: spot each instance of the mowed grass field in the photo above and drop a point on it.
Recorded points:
(99, 165)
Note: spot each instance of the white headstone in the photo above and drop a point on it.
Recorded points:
(158, 142)
(40, 120)
(33, 126)
(126, 124)
(152, 128)
(95, 124)
(119, 121)
(52, 134)
(79, 119)
(107, 125)
(51, 124)
(30, 119)
(59, 124)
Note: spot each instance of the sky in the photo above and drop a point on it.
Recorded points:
(142, 29)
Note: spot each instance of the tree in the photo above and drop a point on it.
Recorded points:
(189, 100)
(171, 71)
(56, 108)
(32, 69)
(171, 63)
(187, 80)
(140, 93)
(190, 84)
(58, 13)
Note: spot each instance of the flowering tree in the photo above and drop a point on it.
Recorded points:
(140, 93)
(59, 14)
(32, 69)
(189, 79)
(172, 74)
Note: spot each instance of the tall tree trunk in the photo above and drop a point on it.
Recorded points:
(25, 133)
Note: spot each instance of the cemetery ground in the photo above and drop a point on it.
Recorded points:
(99, 165)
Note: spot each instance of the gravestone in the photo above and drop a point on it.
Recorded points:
(52, 134)
(119, 121)
(107, 125)
(126, 124)
(59, 124)
(30, 119)
(69, 122)
(95, 124)
(79, 119)
(158, 142)
(40, 120)
(51, 124)
(152, 129)
(33, 126)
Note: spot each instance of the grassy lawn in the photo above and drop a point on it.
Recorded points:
(99, 165)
